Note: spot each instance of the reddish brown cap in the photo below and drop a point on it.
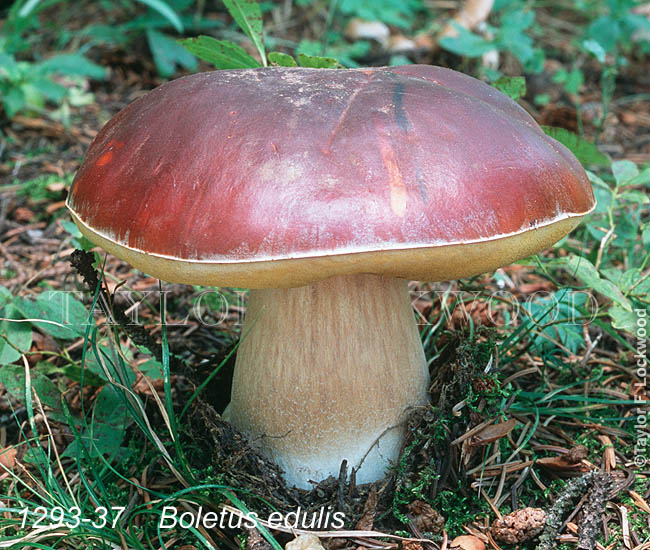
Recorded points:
(284, 176)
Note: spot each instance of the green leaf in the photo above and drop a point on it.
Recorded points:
(13, 335)
(248, 15)
(595, 49)
(78, 240)
(152, 368)
(72, 64)
(466, 43)
(585, 151)
(51, 90)
(13, 378)
(282, 59)
(642, 179)
(317, 62)
(166, 11)
(63, 316)
(584, 270)
(559, 306)
(13, 101)
(221, 53)
(8, 66)
(624, 171)
(167, 54)
(623, 319)
(628, 281)
(73, 372)
(513, 86)
(106, 426)
(638, 197)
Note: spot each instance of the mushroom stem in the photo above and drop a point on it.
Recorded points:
(328, 372)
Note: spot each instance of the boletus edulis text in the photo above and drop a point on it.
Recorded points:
(324, 191)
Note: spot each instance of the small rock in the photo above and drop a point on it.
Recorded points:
(33, 235)
(467, 542)
(360, 29)
(304, 542)
(519, 526)
(398, 43)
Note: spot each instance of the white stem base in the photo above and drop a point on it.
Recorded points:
(327, 372)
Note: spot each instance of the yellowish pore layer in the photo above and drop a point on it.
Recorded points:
(435, 263)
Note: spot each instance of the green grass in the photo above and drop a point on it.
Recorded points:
(85, 493)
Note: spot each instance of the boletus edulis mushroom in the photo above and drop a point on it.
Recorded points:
(324, 191)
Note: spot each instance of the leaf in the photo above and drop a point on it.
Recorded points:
(317, 62)
(73, 372)
(556, 318)
(166, 11)
(248, 15)
(624, 320)
(152, 368)
(282, 59)
(585, 151)
(595, 49)
(8, 66)
(642, 179)
(584, 270)
(64, 317)
(167, 54)
(513, 86)
(51, 90)
(13, 379)
(492, 433)
(624, 171)
(13, 101)
(78, 240)
(72, 64)
(221, 53)
(638, 197)
(466, 43)
(106, 426)
(13, 335)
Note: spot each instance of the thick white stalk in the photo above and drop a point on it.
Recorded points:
(328, 372)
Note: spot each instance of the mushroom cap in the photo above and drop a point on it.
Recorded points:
(285, 176)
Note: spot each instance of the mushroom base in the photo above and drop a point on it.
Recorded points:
(328, 372)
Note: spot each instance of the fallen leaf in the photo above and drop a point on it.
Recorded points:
(8, 457)
(492, 433)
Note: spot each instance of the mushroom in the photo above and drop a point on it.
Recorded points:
(325, 191)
